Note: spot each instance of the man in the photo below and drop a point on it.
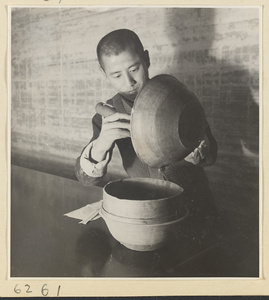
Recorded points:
(124, 63)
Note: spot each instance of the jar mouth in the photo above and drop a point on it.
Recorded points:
(189, 126)
(142, 189)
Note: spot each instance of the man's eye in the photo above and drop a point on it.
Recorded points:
(134, 70)
(117, 76)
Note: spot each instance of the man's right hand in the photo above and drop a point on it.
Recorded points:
(114, 127)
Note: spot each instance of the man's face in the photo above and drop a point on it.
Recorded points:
(127, 72)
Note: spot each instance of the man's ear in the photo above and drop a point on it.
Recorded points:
(146, 58)
(105, 75)
(102, 71)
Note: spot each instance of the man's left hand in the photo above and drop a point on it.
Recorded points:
(199, 153)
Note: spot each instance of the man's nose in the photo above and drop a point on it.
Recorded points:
(130, 81)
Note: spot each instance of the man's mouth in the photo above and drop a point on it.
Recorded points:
(131, 92)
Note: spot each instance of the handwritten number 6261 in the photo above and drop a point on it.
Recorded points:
(44, 289)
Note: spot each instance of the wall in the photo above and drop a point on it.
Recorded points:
(56, 84)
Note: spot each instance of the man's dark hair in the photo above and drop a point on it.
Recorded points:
(116, 42)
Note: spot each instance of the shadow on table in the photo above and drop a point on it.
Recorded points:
(212, 248)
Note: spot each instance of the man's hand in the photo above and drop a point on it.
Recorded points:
(199, 153)
(114, 127)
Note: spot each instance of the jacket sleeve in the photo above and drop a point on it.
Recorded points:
(88, 171)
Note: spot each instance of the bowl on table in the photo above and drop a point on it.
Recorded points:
(141, 213)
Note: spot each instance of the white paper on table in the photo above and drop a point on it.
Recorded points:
(87, 213)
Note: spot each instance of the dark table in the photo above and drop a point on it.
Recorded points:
(45, 243)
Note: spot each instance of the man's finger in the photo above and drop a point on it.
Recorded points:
(116, 125)
(203, 149)
(117, 117)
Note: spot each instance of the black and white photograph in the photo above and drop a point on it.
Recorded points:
(134, 142)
